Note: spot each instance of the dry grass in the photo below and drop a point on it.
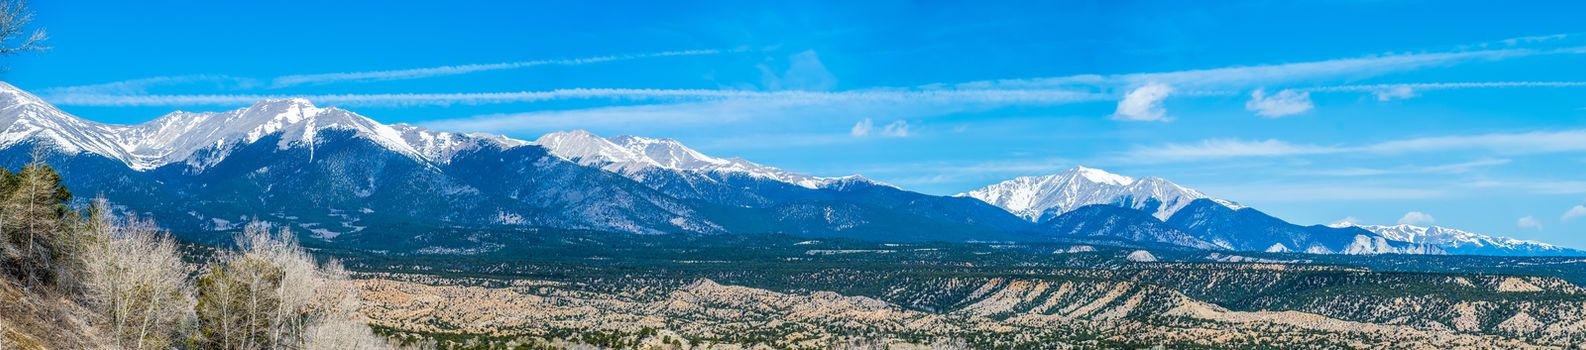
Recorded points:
(31, 320)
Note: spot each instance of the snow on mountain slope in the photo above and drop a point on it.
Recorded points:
(440, 146)
(202, 139)
(1460, 241)
(1038, 198)
(27, 118)
(176, 137)
(632, 155)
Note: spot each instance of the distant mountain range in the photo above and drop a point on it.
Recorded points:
(348, 180)
(1039, 198)
(1465, 242)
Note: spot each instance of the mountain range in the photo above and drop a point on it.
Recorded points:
(350, 181)
(1463, 242)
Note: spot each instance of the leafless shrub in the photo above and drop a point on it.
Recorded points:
(134, 276)
(273, 295)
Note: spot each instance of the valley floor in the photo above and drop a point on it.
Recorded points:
(837, 294)
(1002, 314)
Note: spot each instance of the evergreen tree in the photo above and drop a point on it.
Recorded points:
(34, 220)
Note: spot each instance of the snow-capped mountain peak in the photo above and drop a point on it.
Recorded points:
(1102, 176)
(14, 97)
(668, 153)
(632, 155)
(1037, 198)
(589, 149)
(202, 139)
(178, 136)
(1461, 241)
(24, 117)
(440, 146)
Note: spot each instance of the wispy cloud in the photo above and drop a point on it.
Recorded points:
(132, 87)
(713, 106)
(1455, 168)
(1388, 92)
(1229, 80)
(778, 141)
(1292, 192)
(1241, 77)
(896, 129)
(942, 172)
(427, 72)
(1140, 96)
(1498, 143)
(629, 95)
(1540, 186)
(1224, 149)
(141, 86)
(1284, 103)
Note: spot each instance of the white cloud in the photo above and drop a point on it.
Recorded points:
(896, 129)
(1575, 212)
(1284, 103)
(1528, 223)
(1417, 218)
(862, 128)
(1144, 103)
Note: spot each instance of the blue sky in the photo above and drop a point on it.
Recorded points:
(1469, 113)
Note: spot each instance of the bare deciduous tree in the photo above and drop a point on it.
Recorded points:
(273, 295)
(15, 16)
(134, 276)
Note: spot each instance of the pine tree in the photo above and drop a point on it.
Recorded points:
(33, 218)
